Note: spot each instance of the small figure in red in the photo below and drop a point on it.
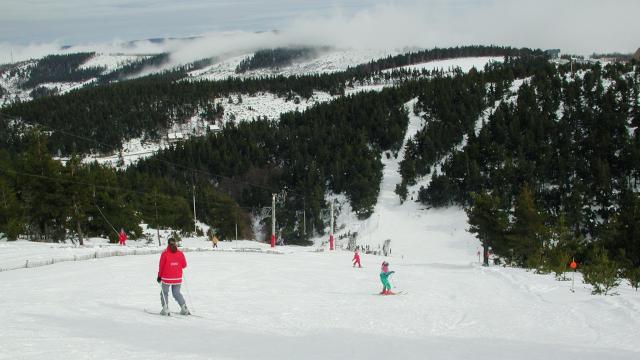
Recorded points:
(122, 237)
(356, 259)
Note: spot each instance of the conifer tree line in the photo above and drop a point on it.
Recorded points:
(333, 147)
(46, 200)
(67, 68)
(144, 107)
(275, 58)
(60, 68)
(148, 106)
(426, 55)
(552, 174)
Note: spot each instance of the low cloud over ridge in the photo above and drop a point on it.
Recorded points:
(575, 26)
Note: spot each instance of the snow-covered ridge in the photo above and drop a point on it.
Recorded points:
(224, 67)
(111, 62)
(326, 62)
(464, 63)
(244, 107)
(13, 75)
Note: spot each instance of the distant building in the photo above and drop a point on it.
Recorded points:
(637, 55)
(553, 53)
(174, 137)
(586, 61)
(214, 128)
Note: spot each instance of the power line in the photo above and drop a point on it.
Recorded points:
(60, 180)
(96, 186)
(155, 157)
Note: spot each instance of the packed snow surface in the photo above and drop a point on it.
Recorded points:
(312, 305)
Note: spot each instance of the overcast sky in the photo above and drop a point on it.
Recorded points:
(31, 27)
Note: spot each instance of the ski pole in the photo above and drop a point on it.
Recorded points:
(184, 279)
(165, 297)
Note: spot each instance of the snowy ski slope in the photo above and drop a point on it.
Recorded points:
(305, 304)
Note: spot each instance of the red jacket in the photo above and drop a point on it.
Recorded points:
(122, 237)
(171, 265)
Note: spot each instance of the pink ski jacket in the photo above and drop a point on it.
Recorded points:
(171, 265)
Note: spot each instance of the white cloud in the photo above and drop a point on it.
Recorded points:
(576, 26)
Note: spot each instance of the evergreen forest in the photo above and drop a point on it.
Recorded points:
(545, 160)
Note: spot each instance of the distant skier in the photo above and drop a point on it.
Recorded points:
(214, 239)
(356, 259)
(172, 261)
(384, 277)
(122, 237)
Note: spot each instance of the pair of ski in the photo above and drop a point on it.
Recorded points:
(401, 292)
(171, 314)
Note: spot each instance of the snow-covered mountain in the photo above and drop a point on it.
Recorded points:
(237, 107)
(13, 76)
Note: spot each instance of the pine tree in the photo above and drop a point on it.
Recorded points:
(626, 229)
(601, 272)
(633, 277)
(488, 221)
(528, 235)
(563, 247)
(42, 191)
(80, 197)
(11, 214)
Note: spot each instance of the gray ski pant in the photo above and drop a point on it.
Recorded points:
(175, 289)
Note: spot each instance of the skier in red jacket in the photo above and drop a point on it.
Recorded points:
(122, 237)
(172, 261)
(356, 259)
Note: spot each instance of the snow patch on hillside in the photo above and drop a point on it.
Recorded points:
(10, 82)
(242, 107)
(465, 64)
(250, 108)
(326, 62)
(111, 62)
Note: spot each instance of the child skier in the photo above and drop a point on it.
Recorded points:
(356, 259)
(214, 239)
(122, 237)
(384, 277)
(172, 261)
